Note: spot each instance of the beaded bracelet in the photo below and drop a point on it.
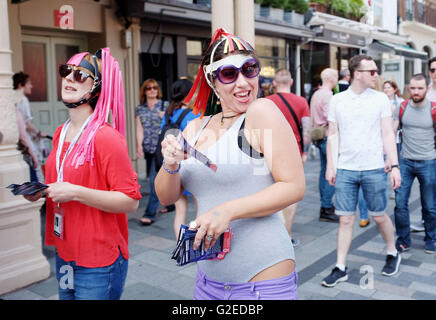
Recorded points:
(169, 171)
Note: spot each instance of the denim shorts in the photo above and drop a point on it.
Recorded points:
(81, 283)
(373, 184)
(284, 288)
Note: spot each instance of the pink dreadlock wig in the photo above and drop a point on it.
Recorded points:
(110, 99)
(202, 83)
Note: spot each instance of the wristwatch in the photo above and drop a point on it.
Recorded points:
(395, 166)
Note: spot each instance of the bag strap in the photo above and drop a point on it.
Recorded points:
(402, 109)
(182, 116)
(300, 129)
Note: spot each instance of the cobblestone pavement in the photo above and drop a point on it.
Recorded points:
(153, 276)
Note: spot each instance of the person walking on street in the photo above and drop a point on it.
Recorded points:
(297, 113)
(22, 81)
(148, 120)
(362, 119)
(417, 120)
(319, 110)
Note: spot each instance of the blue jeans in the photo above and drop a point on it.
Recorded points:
(326, 191)
(373, 185)
(425, 171)
(362, 206)
(153, 200)
(80, 283)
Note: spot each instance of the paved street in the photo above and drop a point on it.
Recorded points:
(152, 275)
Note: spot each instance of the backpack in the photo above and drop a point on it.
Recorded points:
(167, 126)
(433, 114)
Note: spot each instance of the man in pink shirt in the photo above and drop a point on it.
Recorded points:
(319, 110)
(431, 92)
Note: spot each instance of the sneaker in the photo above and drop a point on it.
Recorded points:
(430, 247)
(392, 265)
(417, 227)
(402, 247)
(295, 242)
(364, 223)
(336, 276)
(328, 215)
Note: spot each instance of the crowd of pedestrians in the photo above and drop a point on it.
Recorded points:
(365, 138)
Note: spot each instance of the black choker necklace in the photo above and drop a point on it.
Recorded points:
(229, 117)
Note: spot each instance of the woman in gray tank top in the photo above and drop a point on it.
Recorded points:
(259, 172)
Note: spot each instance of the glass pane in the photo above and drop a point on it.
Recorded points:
(270, 47)
(35, 65)
(193, 70)
(270, 66)
(193, 48)
(63, 54)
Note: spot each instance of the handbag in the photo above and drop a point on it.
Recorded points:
(318, 133)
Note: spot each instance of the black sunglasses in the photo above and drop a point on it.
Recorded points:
(371, 72)
(151, 87)
(78, 74)
(432, 70)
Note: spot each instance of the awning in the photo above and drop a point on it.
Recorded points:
(399, 49)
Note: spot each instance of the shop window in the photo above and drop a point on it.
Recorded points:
(35, 65)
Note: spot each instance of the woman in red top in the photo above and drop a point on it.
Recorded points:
(92, 184)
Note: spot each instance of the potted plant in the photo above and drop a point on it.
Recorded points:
(294, 11)
(272, 9)
(276, 12)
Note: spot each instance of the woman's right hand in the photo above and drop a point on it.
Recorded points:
(139, 153)
(172, 151)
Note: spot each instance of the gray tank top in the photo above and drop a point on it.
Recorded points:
(258, 243)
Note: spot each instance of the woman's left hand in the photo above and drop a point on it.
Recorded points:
(61, 192)
(210, 226)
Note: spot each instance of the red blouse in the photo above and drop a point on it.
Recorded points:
(93, 238)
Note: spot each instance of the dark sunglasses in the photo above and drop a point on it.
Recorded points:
(151, 87)
(78, 74)
(371, 72)
(432, 70)
(229, 74)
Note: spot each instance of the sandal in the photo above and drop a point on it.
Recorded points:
(146, 221)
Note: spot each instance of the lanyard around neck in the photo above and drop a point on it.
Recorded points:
(59, 164)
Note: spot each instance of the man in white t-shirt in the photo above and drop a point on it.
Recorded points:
(363, 119)
(21, 81)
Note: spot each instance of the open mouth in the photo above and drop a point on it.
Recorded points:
(242, 96)
(69, 88)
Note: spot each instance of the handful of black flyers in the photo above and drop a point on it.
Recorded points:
(27, 188)
(184, 252)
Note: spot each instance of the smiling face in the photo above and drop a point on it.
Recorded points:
(389, 90)
(237, 96)
(73, 91)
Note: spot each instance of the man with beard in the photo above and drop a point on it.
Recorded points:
(418, 159)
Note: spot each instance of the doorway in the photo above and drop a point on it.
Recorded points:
(42, 56)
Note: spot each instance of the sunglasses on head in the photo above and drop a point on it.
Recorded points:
(78, 74)
(371, 72)
(151, 87)
(228, 73)
(432, 70)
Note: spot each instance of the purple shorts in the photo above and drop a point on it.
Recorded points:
(284, 288)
